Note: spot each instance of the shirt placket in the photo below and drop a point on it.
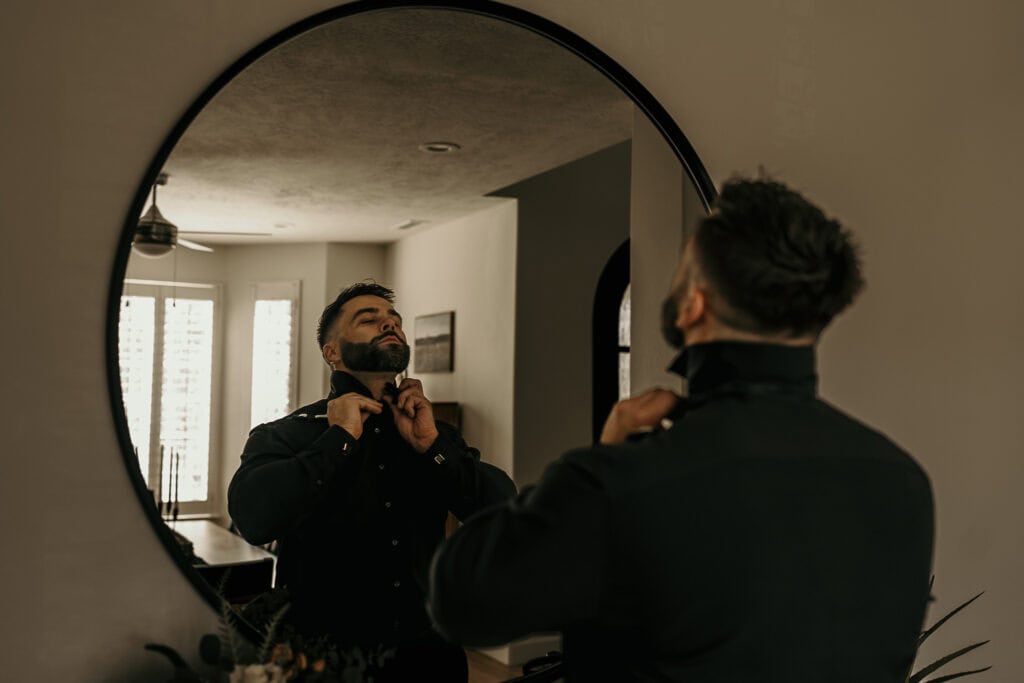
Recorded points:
(384, 461)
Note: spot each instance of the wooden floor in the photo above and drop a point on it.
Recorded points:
(483, 669)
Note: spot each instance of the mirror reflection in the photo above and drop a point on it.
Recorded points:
(489, 179)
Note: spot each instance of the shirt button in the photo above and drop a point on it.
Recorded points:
(319, 482)
(387, 504)
(397, 584)
(394, 542)
(380, 466)
(376, 430)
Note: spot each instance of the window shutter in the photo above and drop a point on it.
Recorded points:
(274, 352)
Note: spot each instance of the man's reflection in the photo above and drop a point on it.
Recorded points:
(356, 489)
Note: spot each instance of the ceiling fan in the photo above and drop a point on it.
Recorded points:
(155, 236)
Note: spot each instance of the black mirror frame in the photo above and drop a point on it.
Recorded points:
(643, 99)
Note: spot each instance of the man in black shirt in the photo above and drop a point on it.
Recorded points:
(356, 488)
(761, 535)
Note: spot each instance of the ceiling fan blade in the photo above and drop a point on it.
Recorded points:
(193, 245)
(242, 234)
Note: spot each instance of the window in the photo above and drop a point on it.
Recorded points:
(166, 337)
(274, 350)
(135, 341)
(624, 322)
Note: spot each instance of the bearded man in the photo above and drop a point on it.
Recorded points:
(751, 531)
(356, 489)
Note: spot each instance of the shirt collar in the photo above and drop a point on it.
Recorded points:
(710, 365)
(344, 383)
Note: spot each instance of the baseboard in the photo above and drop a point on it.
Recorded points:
(519, 651)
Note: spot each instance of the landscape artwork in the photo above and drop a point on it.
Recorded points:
(434, 341)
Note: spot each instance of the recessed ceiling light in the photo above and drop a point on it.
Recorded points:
(440, 147)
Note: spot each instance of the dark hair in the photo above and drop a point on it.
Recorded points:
(779, 263)
(333, 310)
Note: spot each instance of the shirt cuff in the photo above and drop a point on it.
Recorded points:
(335, 441)
(442, 451)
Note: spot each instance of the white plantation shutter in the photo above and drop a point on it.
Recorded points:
(274, 350)
(625, 313)
(166, 355)
(187, 384)
(135, 336)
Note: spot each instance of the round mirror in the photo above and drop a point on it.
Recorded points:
(508, 181)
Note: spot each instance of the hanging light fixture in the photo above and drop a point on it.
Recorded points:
(155, 236)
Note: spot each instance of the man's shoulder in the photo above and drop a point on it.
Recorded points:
(707, 441)
(866, 441)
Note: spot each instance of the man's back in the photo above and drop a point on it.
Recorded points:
(765, 536)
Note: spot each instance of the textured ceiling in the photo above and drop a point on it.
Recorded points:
(318, 140)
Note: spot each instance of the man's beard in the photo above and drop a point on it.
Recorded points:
(669, 312)
(373, 357)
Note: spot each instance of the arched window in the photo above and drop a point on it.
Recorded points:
(624, 317)
(611, 336)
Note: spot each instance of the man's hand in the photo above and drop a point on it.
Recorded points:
(349, 411)
(638, 413)
(414, 416)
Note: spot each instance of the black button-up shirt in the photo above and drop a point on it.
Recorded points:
(356, 520)
(764, 536)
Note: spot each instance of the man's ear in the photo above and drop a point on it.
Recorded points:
(330, 354)
(692, 310)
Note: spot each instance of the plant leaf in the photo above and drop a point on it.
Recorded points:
(268, 636)
(950, 677)
(227, 630)
(919, 676)
(943, 620)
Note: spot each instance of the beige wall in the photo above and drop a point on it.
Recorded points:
(467, 265)
(570, 221)
(655, 238)
(902, 118)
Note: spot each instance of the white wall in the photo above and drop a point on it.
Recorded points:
(571, 219)
(347, 264)
(245, 266)
(902, 118)
(467, 265)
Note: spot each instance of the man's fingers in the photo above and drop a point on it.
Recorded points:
(350, 411)
(410, 390)
(356, 398)
(366, 408)
(647, 409)
(408, 403)
(366, 403)
(660, 400)
(409, 382)
(413, 402)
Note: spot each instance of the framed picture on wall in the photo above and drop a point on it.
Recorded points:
(434, 342)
